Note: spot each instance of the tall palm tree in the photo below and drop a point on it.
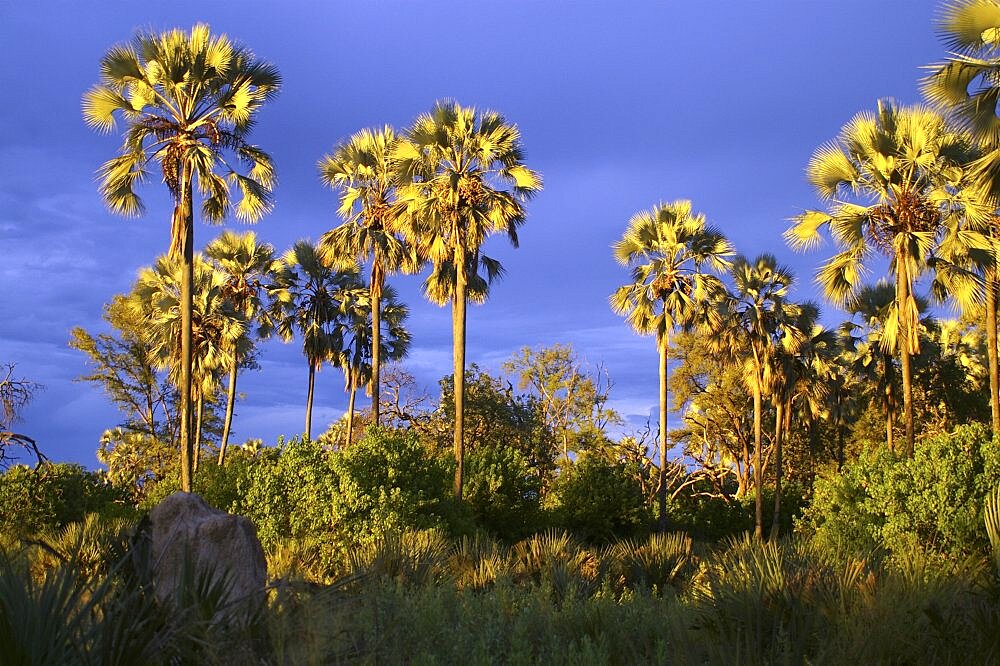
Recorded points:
(308, 299)
(462, 178)
(355, 358)
(217, 328)
(870, 338)
(248, 266)
(894, 180)
(188, 100)
(668, 249)
(966, 86)
(753, 322)
(800, 367)
(363, 171)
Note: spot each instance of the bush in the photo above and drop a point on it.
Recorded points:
(54, 495)
(600, 500)
(502, 492)
(932, 502)
(390, 483)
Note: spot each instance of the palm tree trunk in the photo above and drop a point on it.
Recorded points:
(890, 409)
(376, 298)
(458, 352)
(662, 489)
(991, 347)
(758, 473)
(198, 415)
(902, 299)
(350, 410)
(230, 403)
(184, 210)
(309, 399)
(779, 437)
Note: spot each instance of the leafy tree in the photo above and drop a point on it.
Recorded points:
(308, 298)
(363, 171)
(497, 417)
(248, 266)
(189, 101)
(668, 249)
(573, 402)
(122, 365)
(464, 179)
(599, 499)
(503, 492)
(894, 178)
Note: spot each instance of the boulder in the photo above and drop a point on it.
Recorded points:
(189, 536)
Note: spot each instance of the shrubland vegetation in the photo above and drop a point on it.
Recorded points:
(824, 495)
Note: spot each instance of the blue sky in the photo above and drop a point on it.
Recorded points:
(621, 105)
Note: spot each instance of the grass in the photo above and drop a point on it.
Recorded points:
(418, 598)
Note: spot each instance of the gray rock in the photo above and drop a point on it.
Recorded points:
(191, 538)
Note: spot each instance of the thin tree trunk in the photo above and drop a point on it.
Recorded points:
(376, 386)
(309, 399)
(230, 404)
(902, 300)
(198, 415)
(350, 410)
(991, 347)
(664, 391)
(779, 440)
(458, 335)
(187, 305)
(758, 473)
(890, 409)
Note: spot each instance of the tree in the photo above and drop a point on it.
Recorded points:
(966, 87)
(248, 266)
(572, 400)
(217, 329)
(15, 394)
(363, 171)
(894, 178)
(189, 102)
(668, 250)
(463, 178)
(357, 354)
(753, 321)
(308, 298)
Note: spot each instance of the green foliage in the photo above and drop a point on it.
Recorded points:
(653, 564)
(54, 495)
(932, 502)
(599, 500)
(389, 483)
(502, 491)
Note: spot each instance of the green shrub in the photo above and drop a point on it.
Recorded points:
(502, 492)
(54, 495)
(932, 502)
(599, 500)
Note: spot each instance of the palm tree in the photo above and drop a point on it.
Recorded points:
(895, 179)
(217, 328)
(362, 169)
(799, 368)
(355, 358)
(870, 342)
(668, 249)
(189, 101)
(753, 321)
(966, 87)
(462, 179)
(247, 266)
(308, 298)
